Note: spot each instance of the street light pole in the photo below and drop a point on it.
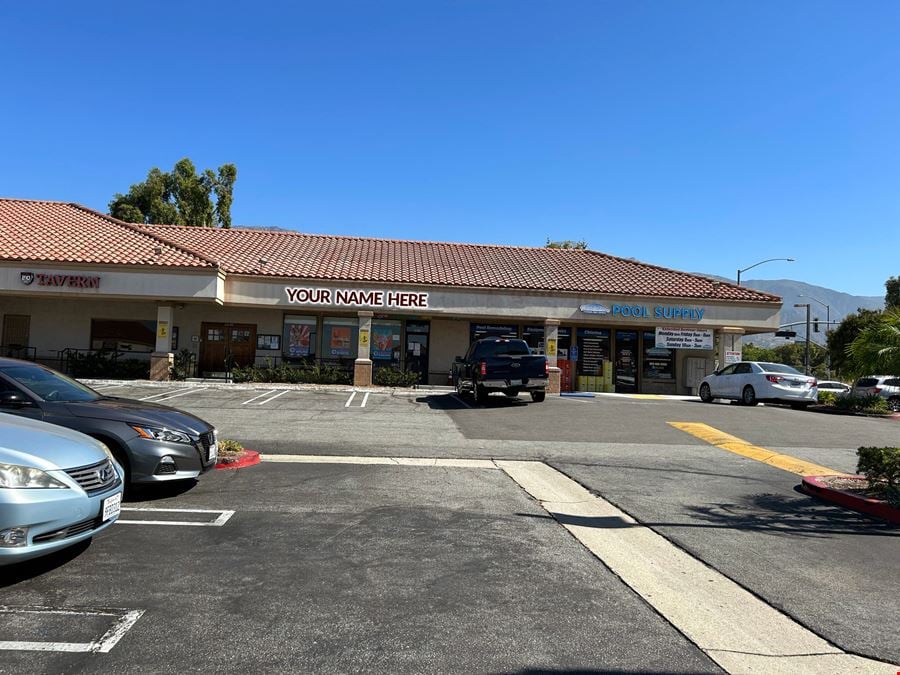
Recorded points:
(806, 354)
(759, 263)
(827, 328)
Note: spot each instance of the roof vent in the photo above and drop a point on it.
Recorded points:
(263, 262)
(157, 250)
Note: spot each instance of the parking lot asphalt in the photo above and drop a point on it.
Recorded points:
(332, 568)
(829, 569)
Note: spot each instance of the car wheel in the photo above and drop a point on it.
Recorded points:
(481, 394)
(748, 396)
(538, 396)
(705, 394)
(894, 403)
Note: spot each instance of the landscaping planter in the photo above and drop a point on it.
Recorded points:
(239, 461)
(850, 492)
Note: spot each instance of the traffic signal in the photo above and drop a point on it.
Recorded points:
(816, 325)
(786, 333)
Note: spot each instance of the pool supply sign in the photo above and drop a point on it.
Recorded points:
(659, 312)
(684, 338)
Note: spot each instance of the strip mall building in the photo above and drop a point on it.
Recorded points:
(75, 279)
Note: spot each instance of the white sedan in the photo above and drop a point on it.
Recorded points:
(750, 382)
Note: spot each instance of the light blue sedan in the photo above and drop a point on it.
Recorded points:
(57, 487)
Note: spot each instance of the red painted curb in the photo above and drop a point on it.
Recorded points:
(813, 485)
(247, 458)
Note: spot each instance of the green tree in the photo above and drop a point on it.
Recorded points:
(846, 332)
(892, 292)
(182, 197)
(567, 243)
(876, 350)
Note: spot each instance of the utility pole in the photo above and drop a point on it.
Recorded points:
(806, 354)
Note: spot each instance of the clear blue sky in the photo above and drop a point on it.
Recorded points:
(703, 136)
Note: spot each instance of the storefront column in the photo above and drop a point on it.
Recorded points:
(551, 343)
(728, 346)
(162, 359)
(362, 368)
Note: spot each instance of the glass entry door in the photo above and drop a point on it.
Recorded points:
(626, 361)
(417, 348)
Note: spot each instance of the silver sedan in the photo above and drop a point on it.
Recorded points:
(57, 487)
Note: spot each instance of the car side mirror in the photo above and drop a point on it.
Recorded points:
(13, 399)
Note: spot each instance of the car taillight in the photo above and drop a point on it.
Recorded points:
(483, 368)
(814, 383)
(876, 390)
(546, 367)
(774, 378)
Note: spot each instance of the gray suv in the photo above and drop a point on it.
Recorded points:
(886, 386)
(152, 442)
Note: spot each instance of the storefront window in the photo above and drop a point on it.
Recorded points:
(339, 338)
(299, 337)
(591, 351)
(534, 336)
(123, 336)
(385, 349)
(659, 362)
(492, 330)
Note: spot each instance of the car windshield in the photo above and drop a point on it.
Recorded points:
(779, 368)
(49, 385)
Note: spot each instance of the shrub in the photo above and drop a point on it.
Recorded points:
(881, 467)
(391, 377)
(309, 374)
(183, 365)
(827, 398)
(229, 447)
(866, 404)
(106, 364)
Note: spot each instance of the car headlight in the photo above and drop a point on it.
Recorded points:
(166, 435)
(14, 476)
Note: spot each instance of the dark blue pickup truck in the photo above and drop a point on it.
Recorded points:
(504, 365)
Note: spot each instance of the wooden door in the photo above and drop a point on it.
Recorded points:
(223, 342)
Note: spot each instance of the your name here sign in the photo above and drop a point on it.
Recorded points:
(684, 338)
(355, 298)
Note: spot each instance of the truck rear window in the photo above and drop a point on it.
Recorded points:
(503, 348)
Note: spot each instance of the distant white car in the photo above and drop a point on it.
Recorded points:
(750, 382)
(834, 387)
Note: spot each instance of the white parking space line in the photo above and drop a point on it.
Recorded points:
(266, 393)
(365, 400)
(350, 400)
(125, 619)
(183, 393)
(223, 517)
(263, 402)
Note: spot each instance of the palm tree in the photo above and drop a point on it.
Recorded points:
(876, 350)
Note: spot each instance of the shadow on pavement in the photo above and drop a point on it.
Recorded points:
(28, 569)
(150, 493)
(456, 402)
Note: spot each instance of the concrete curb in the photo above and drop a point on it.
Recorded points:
(815, 486)
(826, 410)
(247, 458)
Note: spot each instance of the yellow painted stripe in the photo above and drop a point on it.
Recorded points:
(741, 447)
(656, 397)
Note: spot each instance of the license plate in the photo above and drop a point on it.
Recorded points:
(512, 382)
(213, 452)
(112, 506)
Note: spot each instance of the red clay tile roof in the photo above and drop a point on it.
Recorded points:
(43, 231)
(322, 257)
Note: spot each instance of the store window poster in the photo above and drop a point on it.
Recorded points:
(298, 340)
(340, 340)
(383, 342)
